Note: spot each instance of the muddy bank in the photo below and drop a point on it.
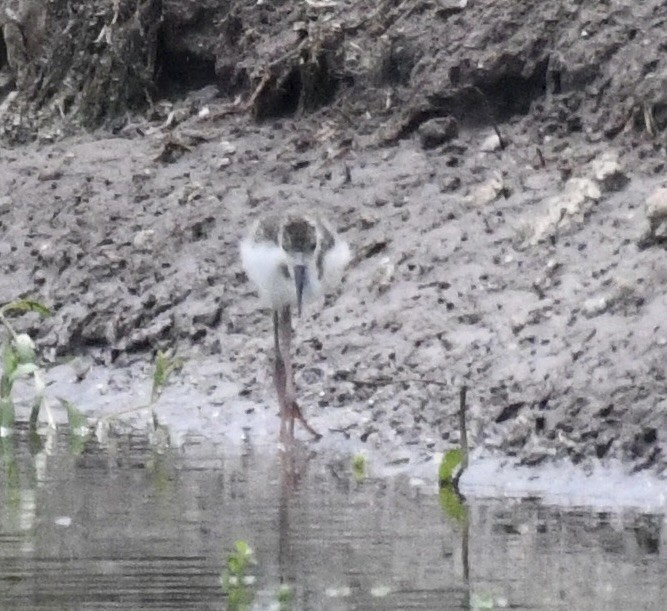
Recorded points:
(527, 268)
(560, 340)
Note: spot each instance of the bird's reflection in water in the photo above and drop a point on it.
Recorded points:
(294, 460)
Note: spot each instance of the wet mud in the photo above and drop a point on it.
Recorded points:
(527, 267)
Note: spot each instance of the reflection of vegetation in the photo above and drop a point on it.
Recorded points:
(234, 579)
(285, 597)
(11, 469)
(485, 601)
(452, 504)
(359, 466)
(157, 467)
(78, 426)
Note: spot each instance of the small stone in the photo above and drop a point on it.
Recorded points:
(81, 366)
(227, 148)
(608, 173)
(5, 204)
(383, 277)
(450, 183)
(595, 306)
(490, 144)
(578, 195)
(517, 323)
(540, 181)
(486, 192)
(446, 8)
(435, 132)
(143, 240)
(656, 212)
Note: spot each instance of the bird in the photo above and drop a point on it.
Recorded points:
(292, 258)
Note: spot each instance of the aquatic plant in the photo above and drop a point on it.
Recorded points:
(449, 466)
(452, 465)
(19, 361)
(164, 366)
(234, 579)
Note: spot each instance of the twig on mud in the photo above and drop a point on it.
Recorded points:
(389, 381)
(124, 412)
(266, 78)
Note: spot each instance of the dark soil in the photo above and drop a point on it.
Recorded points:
(489, 164)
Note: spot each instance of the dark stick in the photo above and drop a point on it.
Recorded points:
(462, 427)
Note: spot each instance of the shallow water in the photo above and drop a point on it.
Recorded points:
(125, 526)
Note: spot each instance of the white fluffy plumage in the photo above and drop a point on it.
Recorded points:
(269, 265)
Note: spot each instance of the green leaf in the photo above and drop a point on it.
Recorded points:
(450, 461)
(26, 305)
(24, 347)
(78, 423)
(24, 370)
(10, 360)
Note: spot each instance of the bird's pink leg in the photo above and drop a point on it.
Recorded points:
(280, 379)
(285, 347)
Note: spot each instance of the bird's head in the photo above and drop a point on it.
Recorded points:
(299, 239)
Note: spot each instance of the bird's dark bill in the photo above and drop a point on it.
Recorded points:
(300, 281)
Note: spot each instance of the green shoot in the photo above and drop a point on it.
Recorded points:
(448, 467)
(18, 361)
(25, 305)
(450, 500)
(164, 367)
(359, 466)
